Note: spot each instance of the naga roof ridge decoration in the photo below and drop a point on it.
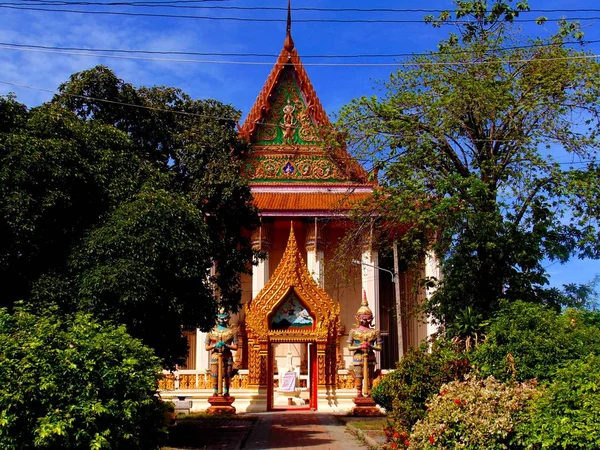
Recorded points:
(262, 105)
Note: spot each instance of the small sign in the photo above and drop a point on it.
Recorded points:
(288, 383)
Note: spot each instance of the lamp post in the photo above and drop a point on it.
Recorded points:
(362, 263)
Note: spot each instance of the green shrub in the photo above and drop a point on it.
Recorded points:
(567, 414)
(528, 341)
(418, 375)
(472, 414)
(74, 383)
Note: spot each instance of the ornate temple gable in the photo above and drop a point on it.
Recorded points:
(288, 121)
(292, 280)
(288, 76)
(284, 128)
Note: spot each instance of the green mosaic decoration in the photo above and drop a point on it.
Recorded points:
(277, 168)
(288, 122)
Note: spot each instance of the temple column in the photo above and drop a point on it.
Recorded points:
(370, 280)
(370, 285)
(202, 358)
(260, 276)
(260, 273)
(432, 270)
(315, 256)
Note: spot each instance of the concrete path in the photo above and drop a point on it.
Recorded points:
(300, 430)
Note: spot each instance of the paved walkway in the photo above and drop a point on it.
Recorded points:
(287, 430)
(300, 430)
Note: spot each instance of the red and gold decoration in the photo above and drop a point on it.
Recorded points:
(317, 318)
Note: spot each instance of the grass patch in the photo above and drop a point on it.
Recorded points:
(368, 425)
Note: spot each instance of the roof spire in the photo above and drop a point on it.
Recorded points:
(288, 44)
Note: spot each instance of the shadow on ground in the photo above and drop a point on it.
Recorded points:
(209, 434)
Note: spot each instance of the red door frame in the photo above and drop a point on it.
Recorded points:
(314, 375)
(270, 377)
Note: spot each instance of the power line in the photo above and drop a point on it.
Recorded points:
(175, 3)
(272, 55)
(113, 102)
(260, 19)
(229, 119)
(263, 63)
(135, 3)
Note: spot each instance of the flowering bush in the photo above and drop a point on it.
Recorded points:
(418, 375)
(472, 414)
(396, 438)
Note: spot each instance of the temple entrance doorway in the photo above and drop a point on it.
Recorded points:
(293, 376)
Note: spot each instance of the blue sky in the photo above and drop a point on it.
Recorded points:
(239, 84)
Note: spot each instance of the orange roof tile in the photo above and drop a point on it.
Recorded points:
(318, 201)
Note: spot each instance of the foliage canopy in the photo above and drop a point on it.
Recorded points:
(526, 341)
(567, 413)
(470, 140)
(135, 214)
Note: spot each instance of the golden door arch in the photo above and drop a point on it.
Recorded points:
(319, 324)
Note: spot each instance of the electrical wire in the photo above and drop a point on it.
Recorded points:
(262, 19)
(272, 55)
(174, 4)
(206, 116)
(113, 102)
(266, 63)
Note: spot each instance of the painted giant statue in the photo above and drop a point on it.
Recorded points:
(363, 341)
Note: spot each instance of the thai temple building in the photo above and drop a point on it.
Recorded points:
(297, 310)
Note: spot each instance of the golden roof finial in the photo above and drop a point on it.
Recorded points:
(288, 44)
(292, 238)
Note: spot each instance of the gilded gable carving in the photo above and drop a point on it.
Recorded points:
(291, 277)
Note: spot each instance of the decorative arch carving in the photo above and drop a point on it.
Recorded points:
(291, 278)
(291, 275)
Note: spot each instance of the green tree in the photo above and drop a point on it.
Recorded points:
(527, 340)
(59, 176)
(466, 137)
(193, 142)
(102, 215)
(73, 382)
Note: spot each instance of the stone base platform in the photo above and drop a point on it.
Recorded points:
(220, 404)
(365, 407)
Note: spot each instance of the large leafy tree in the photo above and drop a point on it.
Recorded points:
(125, 208)
(488, 149)
(194, 143)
